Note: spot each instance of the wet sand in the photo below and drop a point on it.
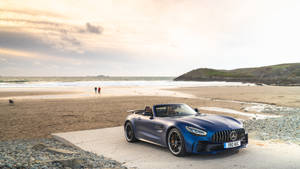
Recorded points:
(13, 94)
(87, 92)
(279, 95)
(38, 115)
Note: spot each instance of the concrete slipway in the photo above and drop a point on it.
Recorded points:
(111, 143)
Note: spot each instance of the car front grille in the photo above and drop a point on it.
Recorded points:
(224, 136)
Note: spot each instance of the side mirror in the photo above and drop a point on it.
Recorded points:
(196, 110)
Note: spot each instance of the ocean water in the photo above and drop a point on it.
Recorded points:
(162, 83)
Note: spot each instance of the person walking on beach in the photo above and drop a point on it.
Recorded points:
(95, 90)
(99, 90)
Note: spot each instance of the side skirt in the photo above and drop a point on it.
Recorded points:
(147, 141)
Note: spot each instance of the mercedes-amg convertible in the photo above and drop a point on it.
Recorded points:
(184, 130)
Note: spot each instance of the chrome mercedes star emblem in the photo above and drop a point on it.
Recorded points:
(233, 135)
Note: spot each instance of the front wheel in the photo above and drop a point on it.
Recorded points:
(129, 133)
(176, 143)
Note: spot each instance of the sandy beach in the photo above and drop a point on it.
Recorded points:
(38, 112)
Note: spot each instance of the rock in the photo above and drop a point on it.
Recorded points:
(61, 151)
(48, 153)
(11, 102)
(39, 147)
(72, 163)
(32, 159)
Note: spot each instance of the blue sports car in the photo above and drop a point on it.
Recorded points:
(184, 130)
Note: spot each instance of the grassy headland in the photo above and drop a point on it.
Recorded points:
(283, 74)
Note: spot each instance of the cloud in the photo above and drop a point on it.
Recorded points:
(34, 56)
(48, 23)
(56, 34)
(39, 25)
(71, 40)
(64, 46)
(93, 29)
(32, 12)
(22, 41)
(234, 33)
(26, 45)
(55, 42)
(3, 60)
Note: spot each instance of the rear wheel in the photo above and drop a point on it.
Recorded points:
(176, 143)
(129, 133)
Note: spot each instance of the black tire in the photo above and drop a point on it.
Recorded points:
(176, 143)
(129, 132)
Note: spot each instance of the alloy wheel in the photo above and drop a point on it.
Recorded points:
(176, 143)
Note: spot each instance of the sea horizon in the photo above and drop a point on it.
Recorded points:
(125, 83)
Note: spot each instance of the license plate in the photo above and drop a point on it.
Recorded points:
(232, 144)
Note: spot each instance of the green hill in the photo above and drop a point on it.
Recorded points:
(283, 74)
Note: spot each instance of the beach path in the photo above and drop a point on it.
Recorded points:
(111, 143)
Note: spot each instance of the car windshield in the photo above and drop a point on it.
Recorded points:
(174, 110)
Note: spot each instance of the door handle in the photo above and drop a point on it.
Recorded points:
(139, 118)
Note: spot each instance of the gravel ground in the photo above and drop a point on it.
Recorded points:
(285, 128)
(48, 154)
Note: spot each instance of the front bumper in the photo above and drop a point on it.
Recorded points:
(209, 147)
(205, 144)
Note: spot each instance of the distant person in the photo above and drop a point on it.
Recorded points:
(95, 90)
(99, 90)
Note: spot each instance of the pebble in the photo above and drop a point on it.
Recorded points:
(33, 154)
(284, 128)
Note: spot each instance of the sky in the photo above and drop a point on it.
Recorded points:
(145, 37)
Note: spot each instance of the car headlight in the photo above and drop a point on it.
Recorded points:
(196, 131)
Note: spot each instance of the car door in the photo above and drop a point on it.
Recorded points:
(149, 128)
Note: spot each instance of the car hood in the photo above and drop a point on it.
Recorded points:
(211, 122)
